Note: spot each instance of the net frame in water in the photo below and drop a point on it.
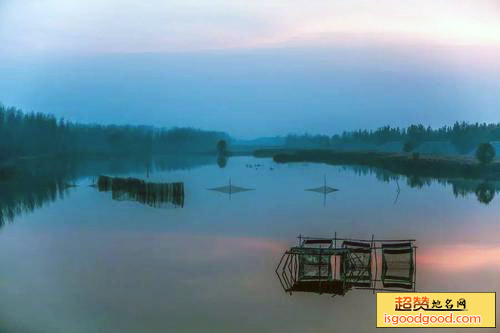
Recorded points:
(356, 267)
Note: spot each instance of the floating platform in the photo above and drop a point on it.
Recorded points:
(336, 265)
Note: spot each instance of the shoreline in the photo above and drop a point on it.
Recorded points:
(402, 163)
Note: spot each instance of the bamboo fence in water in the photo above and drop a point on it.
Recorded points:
(151, 194)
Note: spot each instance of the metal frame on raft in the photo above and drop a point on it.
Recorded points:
(308, 267)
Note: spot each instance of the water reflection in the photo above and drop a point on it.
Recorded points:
(86, 251)
(222, 161)
(325, 189)
(461, 258)
(230, 189)
(484, 191)
(31, 184)
(336, 265)
(34, 183)
(398, 192)
(151, 194)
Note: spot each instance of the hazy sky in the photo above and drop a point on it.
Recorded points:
(96, 26)
(253, 67)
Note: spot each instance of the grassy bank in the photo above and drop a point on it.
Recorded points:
(407, 164)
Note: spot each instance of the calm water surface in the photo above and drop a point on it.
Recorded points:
(84, 262)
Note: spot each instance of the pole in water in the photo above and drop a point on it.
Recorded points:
(324, 190)
(335, 258)
(397, 192)
(372, 244)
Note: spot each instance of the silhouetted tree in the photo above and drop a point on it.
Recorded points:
(222, 147)
(485, 153)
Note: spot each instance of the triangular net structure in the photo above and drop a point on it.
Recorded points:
(230, 189)
(323, 189)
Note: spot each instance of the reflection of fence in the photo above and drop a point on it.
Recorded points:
(318, 265)
(151, 194)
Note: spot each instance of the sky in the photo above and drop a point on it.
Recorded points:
(253, 68)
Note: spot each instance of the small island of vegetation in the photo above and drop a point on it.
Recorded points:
(465, 150)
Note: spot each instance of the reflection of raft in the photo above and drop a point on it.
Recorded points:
(318, 265)
(151, 194)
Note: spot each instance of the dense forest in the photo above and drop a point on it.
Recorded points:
(38, 134)
(464, 136)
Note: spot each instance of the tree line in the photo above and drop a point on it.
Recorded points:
(38, 134)
(464, 136)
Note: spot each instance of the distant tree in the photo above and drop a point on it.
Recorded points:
(409, 146)
(485, 153)
(222, 147)
(463, 136)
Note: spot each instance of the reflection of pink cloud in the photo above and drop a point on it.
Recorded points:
(460, 258)
(215, 247)
(232, 245)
